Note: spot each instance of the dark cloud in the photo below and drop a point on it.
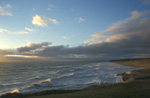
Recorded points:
(32, 46)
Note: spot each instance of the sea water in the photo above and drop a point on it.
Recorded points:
(40, 76)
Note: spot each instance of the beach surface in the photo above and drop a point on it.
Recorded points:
(135, 84)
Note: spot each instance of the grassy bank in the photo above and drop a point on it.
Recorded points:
(144, 63)
(137, 86)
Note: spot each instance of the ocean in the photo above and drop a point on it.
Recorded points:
(39, 76)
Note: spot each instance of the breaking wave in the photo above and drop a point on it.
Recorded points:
(43, 81)
(15, 91)
(66, 75)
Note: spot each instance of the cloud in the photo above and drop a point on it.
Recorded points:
(5, 10)
(39, 21)
(128, 38)
(33, 46)
(20, 32)
(30, 30)
(93, 51)
(124, 39)
(81, 19)
(134, 27)
(3, 30)
(16, 32)
(52, 20)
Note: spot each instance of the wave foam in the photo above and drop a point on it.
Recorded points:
(46, 80)
(41, 82)
(67, 75)
(15, 91)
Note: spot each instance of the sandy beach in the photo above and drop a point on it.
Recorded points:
(135, 84)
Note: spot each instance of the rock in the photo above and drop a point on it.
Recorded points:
(135, 75)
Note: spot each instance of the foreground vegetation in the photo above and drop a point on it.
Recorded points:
(144, 63)
(137, 85)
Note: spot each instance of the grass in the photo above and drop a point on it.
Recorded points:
(145, 63)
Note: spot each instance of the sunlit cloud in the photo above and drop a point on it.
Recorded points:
(16, 32)
(30, 30)
(127, 29)
(39, 21)
(5, 10)
(81, 19)
(99, 50)
(51, 20)
(20, 32)
(3, 30)
(31, 47)
(23, 56)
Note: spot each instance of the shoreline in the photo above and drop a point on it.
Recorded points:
(135, 77)
(140, 74)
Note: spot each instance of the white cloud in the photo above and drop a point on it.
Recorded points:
(81, 19)
(20, 32)
(30, 30)
(4, 10)
(39, 21)
(16, 32)
(52, 20)
(3, 30)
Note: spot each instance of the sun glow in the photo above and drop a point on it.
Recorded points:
(23, 56)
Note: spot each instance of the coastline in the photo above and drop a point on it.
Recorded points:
(140, 74)
(134, 84)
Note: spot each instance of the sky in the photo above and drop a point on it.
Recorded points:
(74, 29)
